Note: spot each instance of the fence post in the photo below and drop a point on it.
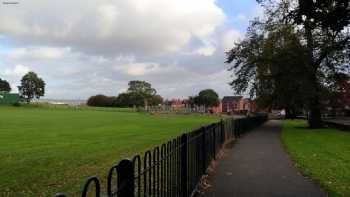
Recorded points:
(204, 150)
(236, 128)
(125, 178)
(223, 132)
(214, 141)
(184, 165)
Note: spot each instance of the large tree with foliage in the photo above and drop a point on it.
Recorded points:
(142, 88)
(322, 52)
(271, 67)
(208, 98)
(323, 25)
(139, 93)
(31, 86)
(156, 100)
(4, 86)
(124, 100)
(102, 101)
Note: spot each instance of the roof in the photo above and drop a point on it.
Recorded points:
(231, 98)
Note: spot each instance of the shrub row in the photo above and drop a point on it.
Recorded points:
(123, 100)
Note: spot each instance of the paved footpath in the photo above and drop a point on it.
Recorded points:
(257, 165)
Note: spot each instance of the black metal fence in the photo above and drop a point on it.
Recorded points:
(173, 169)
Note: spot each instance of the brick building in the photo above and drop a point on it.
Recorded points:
(176, 103)
(345, 97)
(237, 104)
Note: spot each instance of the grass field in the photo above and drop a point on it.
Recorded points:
(46, 150)
(322, 154)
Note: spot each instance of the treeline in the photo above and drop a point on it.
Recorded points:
(122, 100)
(139, 93)
(32, 86)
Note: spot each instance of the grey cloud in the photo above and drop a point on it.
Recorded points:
(82, 48)
(111, 27)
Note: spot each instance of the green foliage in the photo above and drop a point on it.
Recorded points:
(321, 154)
(31, 86)
(125, 100)
(156, 100)
(4, 86)
(208, 98)
(141, 88)
(101, 101)
(49, 150)
(272, 67)
(330, 14)
(138, 94)
(16, 104)
(289, 57)
(132, 99)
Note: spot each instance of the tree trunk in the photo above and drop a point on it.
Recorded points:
(290, 113)
(315, 120)
(314, 117)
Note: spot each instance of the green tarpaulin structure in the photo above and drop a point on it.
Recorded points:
(9, 98)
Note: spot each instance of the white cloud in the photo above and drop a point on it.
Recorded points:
(229, 38)
(206, 50)
(112, 26)
(38, 53)
(86, 47)
(17, 71)
(138, 69)
(70, 71)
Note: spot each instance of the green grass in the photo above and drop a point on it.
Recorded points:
(322, 154)
(46, 150)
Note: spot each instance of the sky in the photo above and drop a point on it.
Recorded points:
(87, 47)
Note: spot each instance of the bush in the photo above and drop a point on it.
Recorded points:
(101, 101)
(124, 100)
(16, 104)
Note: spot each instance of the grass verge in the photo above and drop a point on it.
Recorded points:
(321, 154)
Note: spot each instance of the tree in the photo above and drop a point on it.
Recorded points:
(191, 101)
(271, 67)
(320, 52)
(4, 86)
(155, 100)
(101, 101)
(140, 92)
(124, 100)
(327, 42)
(208, 98)
(31, 86)
(142, 88)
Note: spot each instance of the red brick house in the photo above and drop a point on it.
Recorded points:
(345, 97)
(176, 103)
(249, 105)
(237, 104)
(231, 104)
(216, 109)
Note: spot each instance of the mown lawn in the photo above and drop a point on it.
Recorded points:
(322, 154)
(47, 150)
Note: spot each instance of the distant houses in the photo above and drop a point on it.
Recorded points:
(229, 104)
(238, 104)
(177, 103)
(346, 95)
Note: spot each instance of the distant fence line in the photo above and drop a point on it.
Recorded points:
(173, 169)
(170, 109)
